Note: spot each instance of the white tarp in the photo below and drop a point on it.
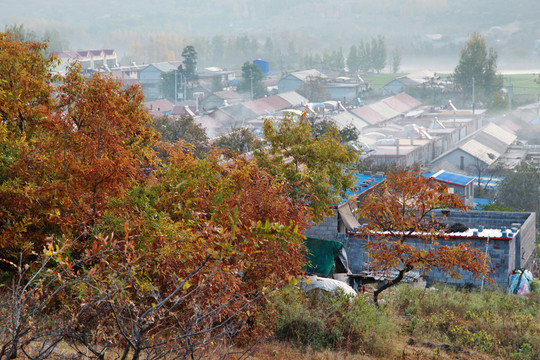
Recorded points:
(326, 284)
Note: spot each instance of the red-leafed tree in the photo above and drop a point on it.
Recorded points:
(26, 108)
(102, 142)
(165, 256)
(69, 145)
(399, 210)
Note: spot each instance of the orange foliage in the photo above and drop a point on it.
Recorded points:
(68, 149)
(209, 238)
(181, 256)
(400, 210)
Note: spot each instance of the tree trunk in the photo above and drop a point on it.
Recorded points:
(389, 283)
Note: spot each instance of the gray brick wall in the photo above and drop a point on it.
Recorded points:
(505, 255)
(327, 230)
(500, 252)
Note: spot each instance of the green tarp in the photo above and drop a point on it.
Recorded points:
(321, 255)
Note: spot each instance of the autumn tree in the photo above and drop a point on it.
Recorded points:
(214, 237)
(353, 59)
(237, 141)
(173, 129)
(317, 165)
(252, 80)
(26, 110)
(190, 63)
(160, 256)
(321, 126)
(68, 150)
(479, 65)
(398, 211)
(519, 189)
(314, 89)
(103, 140)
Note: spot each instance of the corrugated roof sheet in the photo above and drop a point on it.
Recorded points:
(267, 105)
(496, 131)
(228, 95)
(293, 98)
(402, 103)
(306, 74)
(449, 177)
(384, 110)
(345, 118)
(446, 165)
(363, 182)
(221, 117)
(418, 77)
(480, 151)
(164, 66)
(369, 115)
(239, 112)
(162, 105)
(212, 126)
(490, 141)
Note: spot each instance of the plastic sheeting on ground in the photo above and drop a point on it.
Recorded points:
(326, 284)
(520, 282)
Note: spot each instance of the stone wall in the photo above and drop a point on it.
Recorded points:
(501, 264)
(505, 254)
(327, 230)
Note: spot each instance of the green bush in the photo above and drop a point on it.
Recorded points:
(324, 321)
(491, 322)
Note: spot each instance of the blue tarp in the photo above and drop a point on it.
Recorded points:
(450, 177)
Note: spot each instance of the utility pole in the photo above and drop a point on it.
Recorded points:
(251, 80)
(175, 86)
(510, 94)
(473, 95)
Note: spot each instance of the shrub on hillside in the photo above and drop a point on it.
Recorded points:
(322, 320)
(491, 322)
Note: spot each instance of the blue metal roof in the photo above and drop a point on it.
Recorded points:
(481, 202)
(362, 182)
(451, 178)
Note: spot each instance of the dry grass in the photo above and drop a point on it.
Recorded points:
(285, 351)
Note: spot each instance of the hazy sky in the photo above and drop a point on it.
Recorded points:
(511, 27)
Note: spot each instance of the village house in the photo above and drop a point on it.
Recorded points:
(460, 185)
(220, 99)
(159, 107)
(295, 80)
(477, 152)
(382, 112)
(150, 78)
(89, 59)
(403, 83)
(507, 237)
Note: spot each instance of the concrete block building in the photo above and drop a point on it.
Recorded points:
(508, 238)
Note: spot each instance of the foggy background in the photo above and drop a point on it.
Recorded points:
(226, 33)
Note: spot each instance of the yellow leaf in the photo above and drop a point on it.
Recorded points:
(186, 285)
